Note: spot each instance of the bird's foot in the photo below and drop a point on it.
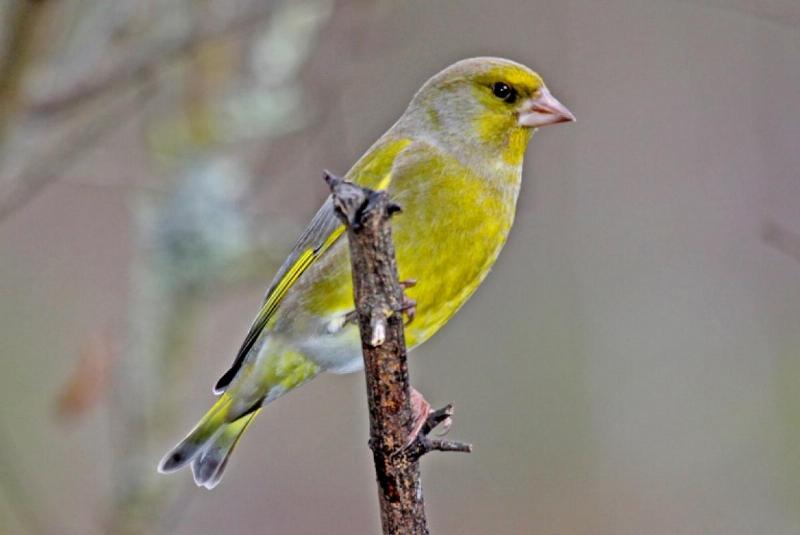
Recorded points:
(425, 421)
(420, 409)
(351, 317)
(409, 306)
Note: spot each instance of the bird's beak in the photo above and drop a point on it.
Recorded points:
(542, 110)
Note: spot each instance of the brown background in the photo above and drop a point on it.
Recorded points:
(630, 366)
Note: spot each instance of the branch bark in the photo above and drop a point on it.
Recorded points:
(379, 305)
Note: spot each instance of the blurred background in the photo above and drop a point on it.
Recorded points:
(630, 366)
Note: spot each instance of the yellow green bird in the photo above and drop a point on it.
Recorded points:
(453, 161)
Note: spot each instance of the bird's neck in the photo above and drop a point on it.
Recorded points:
(481, 148)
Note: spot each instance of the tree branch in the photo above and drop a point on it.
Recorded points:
(148, 59)
(24, 18)
(49, 167)
(379, 303)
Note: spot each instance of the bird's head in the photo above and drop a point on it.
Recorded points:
(487, 104)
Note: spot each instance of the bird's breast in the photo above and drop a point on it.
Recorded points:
(448, 236)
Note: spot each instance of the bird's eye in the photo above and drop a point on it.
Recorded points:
(504, 92)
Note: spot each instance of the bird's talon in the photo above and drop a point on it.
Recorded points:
(393, 208)
(351, 317)
(419, 442)
(409, 307)
(421, 410)
(446, 424)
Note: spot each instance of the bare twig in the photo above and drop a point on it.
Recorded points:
(137, 76)
(423, 444)
(379, 302)
(15, 59)
(149, 59)
(48, 168)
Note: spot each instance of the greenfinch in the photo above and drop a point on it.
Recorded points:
(453, 161)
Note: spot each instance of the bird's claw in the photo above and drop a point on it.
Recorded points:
(425, 421)
(445, 425)
(351, 317)
(420, 409)
(408, 306)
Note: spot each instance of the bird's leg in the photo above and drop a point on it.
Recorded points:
(425, 421)
(409, 306)
(351, 317)
(420, 409)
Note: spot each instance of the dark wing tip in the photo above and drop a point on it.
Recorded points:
(224, 381)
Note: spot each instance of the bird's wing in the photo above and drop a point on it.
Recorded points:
(373, 170)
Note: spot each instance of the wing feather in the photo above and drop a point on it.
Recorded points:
(373, 170)
(323, 231)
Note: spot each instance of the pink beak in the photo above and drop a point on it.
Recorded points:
(544, 110)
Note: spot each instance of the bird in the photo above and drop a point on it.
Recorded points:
(453, 161)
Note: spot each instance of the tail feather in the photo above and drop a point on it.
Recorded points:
(208, 446)
(210, 463)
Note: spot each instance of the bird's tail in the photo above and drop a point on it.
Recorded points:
(209, 445)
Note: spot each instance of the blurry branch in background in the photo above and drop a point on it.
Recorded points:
(228, 72)
(20, 31)
(193, 238)
(148, 57)
(133, 74)
(782, 239)
(379, 306)
(59, 160)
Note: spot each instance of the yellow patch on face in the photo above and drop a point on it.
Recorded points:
(525, 82)
(517, 143)
(503, 132)
(497, 125)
